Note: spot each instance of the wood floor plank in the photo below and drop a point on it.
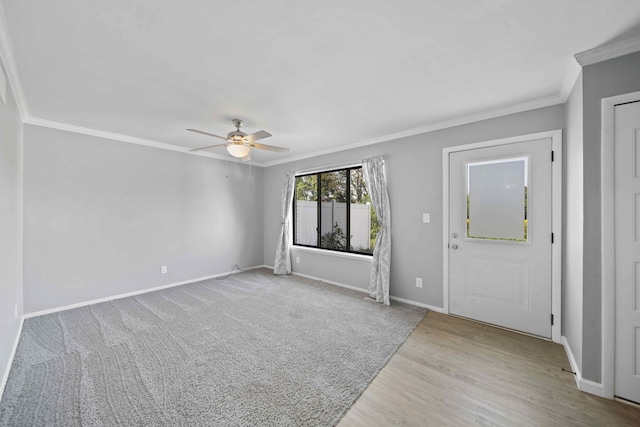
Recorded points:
(454, 372)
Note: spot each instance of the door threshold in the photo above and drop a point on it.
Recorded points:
(627, 402)
(502, 327)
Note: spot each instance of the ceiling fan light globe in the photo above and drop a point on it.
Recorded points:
(237, 150)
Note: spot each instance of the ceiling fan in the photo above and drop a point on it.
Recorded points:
(239, 144)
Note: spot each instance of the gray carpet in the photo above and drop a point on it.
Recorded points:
(252, 349)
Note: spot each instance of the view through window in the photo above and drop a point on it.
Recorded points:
(333, 210)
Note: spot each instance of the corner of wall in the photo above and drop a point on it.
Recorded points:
(7, 369)
(583, 384)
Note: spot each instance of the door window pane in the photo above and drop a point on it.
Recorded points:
(497, 199)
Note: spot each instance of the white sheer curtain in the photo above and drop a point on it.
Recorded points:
(282, 263)
(374, 176)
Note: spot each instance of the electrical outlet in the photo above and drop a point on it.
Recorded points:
(418, 282)
(426, 218)
(15, 311)
(297, 260)
(163, 269)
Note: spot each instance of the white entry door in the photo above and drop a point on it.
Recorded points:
(627, 251)
(500, 235)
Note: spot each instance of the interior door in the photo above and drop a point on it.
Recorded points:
(500, 235)
(627, 251)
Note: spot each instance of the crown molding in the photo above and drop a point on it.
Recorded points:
(35, 121)
(570, 78)
(609, 51)
(485, 115)
(7, 59)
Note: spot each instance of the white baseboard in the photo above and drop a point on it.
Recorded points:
(129, 294)
(419, 304)
(583, 384)
(331, 282)
(572, 360)
(5, 377)
(355, 288)
(591, 387)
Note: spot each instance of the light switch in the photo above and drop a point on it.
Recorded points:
(426, 218)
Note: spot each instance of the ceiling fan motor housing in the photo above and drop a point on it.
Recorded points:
(237, 137)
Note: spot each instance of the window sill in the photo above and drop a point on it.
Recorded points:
(332, 253)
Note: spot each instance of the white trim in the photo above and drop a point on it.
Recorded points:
(366, 291)
(607, 205)
(7, 58)
(484, 115)
(591, 387)
(5, 377)
(572, 361)
(331, 282)
(583, 384)
(613, 50)
(35, 121)
(556, 224)
(570, 78)
(129, 294)
(476, 117)
(445, 230)
(328, 168)
(416, 303)
(556, 229)
(328, 252)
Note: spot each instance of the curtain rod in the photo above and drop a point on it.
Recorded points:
(329, 167)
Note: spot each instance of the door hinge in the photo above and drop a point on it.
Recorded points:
(552, 320)
(552, 237)
(552, 156)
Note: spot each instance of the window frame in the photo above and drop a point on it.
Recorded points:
(318, 174)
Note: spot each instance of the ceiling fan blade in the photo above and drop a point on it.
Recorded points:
(210, 146)
(207, 133)
(268, 147)
(257, 135)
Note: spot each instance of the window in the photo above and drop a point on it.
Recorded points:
(332, 210)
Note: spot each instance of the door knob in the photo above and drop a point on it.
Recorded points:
(454, 246)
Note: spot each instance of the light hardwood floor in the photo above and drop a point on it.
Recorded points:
(451, 371)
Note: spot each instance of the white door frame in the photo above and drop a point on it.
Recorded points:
(607, 184)
(556, 217)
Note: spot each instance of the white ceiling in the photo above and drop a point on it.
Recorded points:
(317, 75)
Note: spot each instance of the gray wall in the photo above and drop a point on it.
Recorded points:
(609, 78)
(414, 171)
(572, 222)
(10, 227)
(102, 217)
